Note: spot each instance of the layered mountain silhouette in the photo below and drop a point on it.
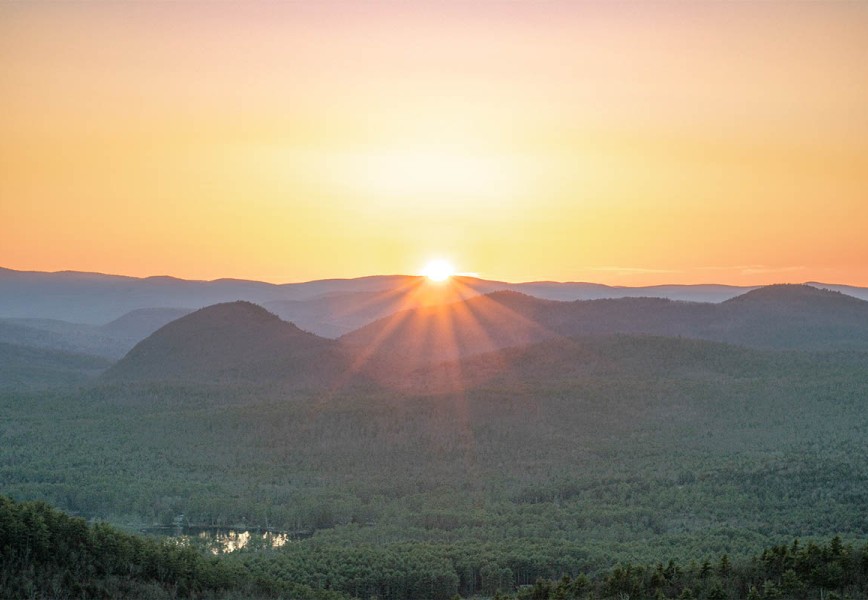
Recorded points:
(235, 341)
(112, 340)
(792, 317)
(338, 313)
(96, 299)
(244, 341)
(775, 317)
(140, 323)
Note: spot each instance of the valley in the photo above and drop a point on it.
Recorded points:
(493, 443)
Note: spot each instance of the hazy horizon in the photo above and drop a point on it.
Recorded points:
(478, 276)
(623, 143)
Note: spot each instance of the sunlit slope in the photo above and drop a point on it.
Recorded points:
(442, 332)
(335, 313)
(231, 341)
(782, 317)
(566, 360)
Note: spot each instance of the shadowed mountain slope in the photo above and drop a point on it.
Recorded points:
(50, 334)
(231, 341)
(792, 316)
(138, 324)
(111, 340)
(23, 367)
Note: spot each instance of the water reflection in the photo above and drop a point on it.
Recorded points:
(230, 541)
(217, 540)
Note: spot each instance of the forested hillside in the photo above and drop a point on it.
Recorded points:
(110, 341)
(572, 454)
(228, 342)
(24, 367)
(45, 554)
(437, 459)
(796, 317)
(243, 341)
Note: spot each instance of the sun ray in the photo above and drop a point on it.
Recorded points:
(438, 270)
(362, 356)
(438, 330)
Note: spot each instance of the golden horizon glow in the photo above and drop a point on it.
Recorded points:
(619, 143)
(438, 270)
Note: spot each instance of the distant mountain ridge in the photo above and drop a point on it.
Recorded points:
(96, 299)
(111, 340)
(389, 324)
(243, 341)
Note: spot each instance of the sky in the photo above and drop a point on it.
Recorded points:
(622, 143)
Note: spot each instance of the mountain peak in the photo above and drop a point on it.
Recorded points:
(229, 341)
(239, 309)
(789, 293)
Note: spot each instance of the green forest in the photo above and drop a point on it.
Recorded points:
(48, 554)
(581, 479)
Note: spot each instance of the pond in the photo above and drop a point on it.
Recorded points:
(220, 540)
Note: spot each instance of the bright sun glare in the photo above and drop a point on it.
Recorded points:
(438, 270)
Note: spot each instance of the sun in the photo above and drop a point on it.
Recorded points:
(438, 270)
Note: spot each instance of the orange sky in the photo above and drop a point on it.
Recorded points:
(622, 143)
